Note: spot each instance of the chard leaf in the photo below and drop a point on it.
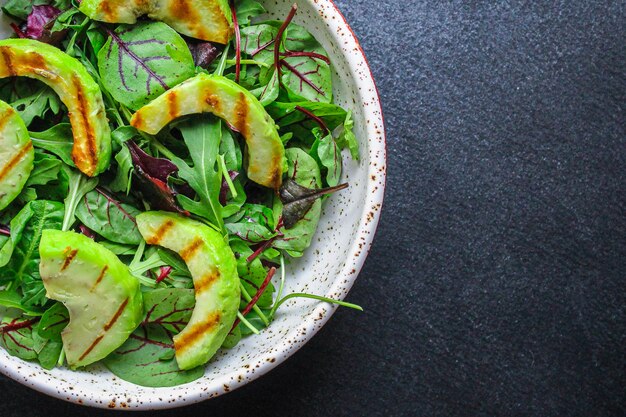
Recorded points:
(269, 92)
(252, 274)
(257, 41)
(58, 140)
(304, 170)
(202, 137)
(109, 218)
(305, 66)
(140, 62)
(16, 337)
(147, 357)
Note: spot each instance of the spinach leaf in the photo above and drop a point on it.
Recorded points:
(254, 223)
(109, 218)
(347, 139)
(140, 62)
(147, 357)
(53, 321)
(202, 135)
(305, 171)
(329, 155)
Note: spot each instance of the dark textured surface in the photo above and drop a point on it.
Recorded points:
(496, 285)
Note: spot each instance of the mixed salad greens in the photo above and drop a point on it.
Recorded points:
(157, 176)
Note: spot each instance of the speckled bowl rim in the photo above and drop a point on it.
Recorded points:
(375, 132)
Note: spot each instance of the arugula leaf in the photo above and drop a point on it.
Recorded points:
(58, 140)
(202, 136)
(12, 299)
(109, 218)
(46, 169)
(37, 104)
(147, 357)
(79, 185)
(140, 62)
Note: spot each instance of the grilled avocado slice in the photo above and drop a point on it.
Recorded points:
(77, 90)
(16, 154)
(102, 297)
(209, 20)
(265, 153)
(214, 271)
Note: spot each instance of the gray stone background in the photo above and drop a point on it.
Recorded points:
(496, 285)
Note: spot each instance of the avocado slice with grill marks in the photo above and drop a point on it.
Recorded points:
(16, 154)
(209, 20)
(213, 268)
(265, 153)
(103, 298)
(77, 90)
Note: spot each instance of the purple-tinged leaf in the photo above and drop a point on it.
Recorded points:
(157, 192)
(298, 200)
(159, 168)
(225, 188)
(204, 53)
(39, 20)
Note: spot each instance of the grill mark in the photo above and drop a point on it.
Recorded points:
(183, 10)
(172, 105)
(241, 115)
(107, 11)
(6, 116)
(15, 160)
(206, 282)
(7, 55)
(214, 101)
(137, 121)
(117, 315)
(188, 252)
(30, 60)
(100, 277)
(107, 327)
(189, 336)
(90, 348)
(160, 232)
(68, 259)
(87, 129)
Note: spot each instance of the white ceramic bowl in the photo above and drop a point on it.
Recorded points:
(330, 266)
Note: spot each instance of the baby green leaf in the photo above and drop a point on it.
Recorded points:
(140, 62)
(57, 140)
(109, 218)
